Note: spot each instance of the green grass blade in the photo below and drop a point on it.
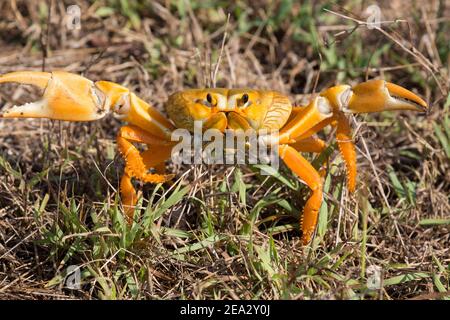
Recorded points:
(434, 222)
(405, 278)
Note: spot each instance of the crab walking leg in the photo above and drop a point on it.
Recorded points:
(347, 149)
(135, 134)
(314, 145)
(155, 157)
(305, 143)
(306, 172)
(128, 195)
(137, 164)
(310, 144)
(152, 158)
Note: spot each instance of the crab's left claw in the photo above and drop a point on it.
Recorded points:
(370, 96)
(66, 96)
(374, 96)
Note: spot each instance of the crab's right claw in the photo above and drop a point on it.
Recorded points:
(66, 96)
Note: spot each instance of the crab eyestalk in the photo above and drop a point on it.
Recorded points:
(374, 96)
(66, 96)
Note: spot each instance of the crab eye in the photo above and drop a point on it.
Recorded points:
(244, 101)
(209, 98)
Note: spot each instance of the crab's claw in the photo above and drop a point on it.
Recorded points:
(66, 96)
(374, 96)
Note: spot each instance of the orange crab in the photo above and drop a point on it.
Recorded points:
(72, 97)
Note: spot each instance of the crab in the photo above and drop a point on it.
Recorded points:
(71, 97)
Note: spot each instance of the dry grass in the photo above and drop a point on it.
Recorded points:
(226, 232)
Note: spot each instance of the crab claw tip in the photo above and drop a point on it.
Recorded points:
(405, 99)
(38, 79)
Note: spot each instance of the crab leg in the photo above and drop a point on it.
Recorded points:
(347, 149)
(310, 144)
(152, 158)
(155, 157)
(137, 164)
(306, 172)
